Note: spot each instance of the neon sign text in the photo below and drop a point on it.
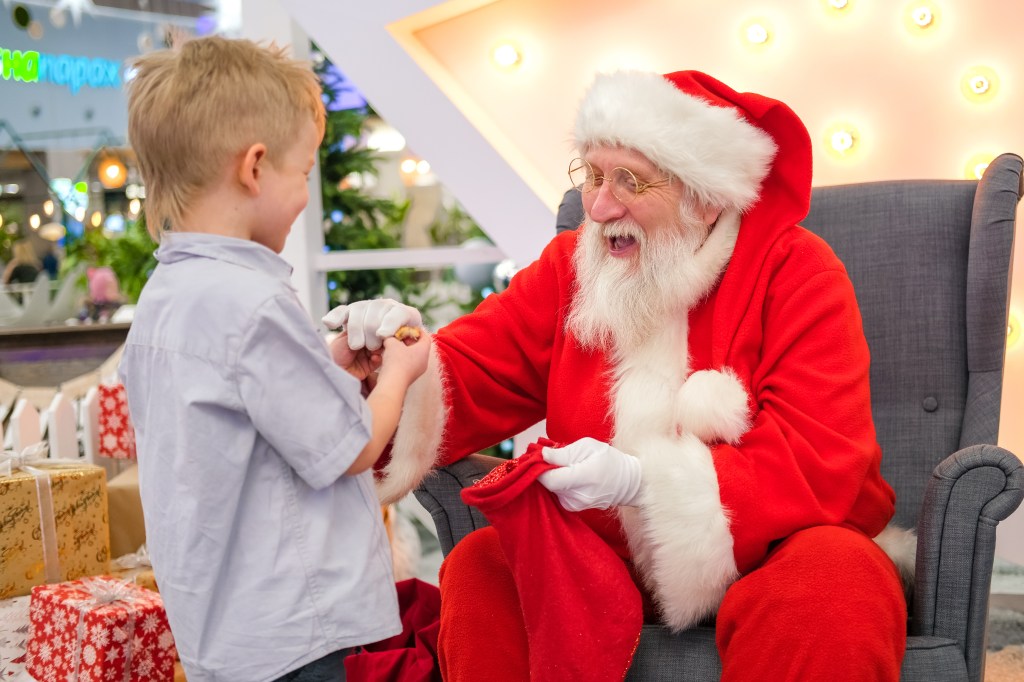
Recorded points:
(66, 70)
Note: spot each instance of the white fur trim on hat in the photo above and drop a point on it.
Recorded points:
(417, 442)
(720, 156)
(679, 531)
(713, 406)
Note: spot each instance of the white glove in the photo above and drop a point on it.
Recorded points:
(592, 475)
(368, 323)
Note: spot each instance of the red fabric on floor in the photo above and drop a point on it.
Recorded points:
(410, 656)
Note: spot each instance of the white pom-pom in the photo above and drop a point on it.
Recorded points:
(713, 405)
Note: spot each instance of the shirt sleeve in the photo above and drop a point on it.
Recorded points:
(306, 407)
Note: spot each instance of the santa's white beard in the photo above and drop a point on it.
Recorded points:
(618, 302)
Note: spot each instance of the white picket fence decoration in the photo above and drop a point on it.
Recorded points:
(66, 416)
(62, 428)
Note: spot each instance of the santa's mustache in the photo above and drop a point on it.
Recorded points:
(621, 228)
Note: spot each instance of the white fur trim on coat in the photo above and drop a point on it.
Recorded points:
(713, 405)
(720, 156)
(901, 546)
(418, 439)
(679, 531)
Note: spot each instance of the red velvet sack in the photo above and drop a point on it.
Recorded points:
(582, 610)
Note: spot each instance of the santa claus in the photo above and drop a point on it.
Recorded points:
(701, 359)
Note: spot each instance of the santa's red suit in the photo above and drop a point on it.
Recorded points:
(750, 413)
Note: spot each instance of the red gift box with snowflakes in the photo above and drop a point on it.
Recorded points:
(99, 630)
(116, 435)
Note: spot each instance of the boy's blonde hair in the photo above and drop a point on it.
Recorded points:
(193, 109)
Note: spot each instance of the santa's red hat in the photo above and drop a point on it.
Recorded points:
(719, 142)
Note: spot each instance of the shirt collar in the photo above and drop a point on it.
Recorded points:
(178, 246)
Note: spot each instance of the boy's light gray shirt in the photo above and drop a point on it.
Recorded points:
(267, 556)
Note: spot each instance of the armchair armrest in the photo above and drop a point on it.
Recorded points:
(439, 493)
(969, 493)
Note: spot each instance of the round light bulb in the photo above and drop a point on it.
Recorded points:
(976, 166)
(112, 173)
(48, 207)
(134, 206)
(921, 17)
(757, 34)
(408, 166)
(1013, 330)
(842, 141)
(97, 219)
(422, 167)
(979, 84)
(506, 56)
(33, 221)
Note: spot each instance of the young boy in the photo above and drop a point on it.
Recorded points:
(254, 448)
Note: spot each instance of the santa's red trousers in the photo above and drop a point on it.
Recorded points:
(827, 604)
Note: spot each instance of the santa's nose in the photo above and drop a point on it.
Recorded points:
(602, 205)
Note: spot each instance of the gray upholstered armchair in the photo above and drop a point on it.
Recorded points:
(930, 264)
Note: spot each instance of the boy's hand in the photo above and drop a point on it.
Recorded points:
(405, 359)
(361, 363)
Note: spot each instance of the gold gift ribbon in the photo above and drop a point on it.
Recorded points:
(36, 454)
(103, 592)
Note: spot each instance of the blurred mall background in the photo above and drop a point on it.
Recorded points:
(450, 136)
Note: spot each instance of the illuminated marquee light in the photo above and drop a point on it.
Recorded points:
(842, 141)
(977, 164)
(75, 73)
(979, 84)
(1013, 331)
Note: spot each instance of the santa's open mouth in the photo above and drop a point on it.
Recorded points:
(620, 246)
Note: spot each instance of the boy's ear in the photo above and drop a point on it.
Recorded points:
(251, 169)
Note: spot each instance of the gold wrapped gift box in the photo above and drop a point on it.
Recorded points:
(79, 494)
(127, 530)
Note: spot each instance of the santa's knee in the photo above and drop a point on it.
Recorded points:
(478, 595)
(477, 553)
(822, 593)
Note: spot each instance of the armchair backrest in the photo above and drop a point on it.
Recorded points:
(930, 263)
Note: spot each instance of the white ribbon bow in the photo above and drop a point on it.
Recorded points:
(11, 461)
(106, 591)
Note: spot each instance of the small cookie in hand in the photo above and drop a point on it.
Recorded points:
(405, 332)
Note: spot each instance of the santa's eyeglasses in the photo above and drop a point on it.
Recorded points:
(624, 184)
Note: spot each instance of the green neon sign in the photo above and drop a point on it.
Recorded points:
(21, 66)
